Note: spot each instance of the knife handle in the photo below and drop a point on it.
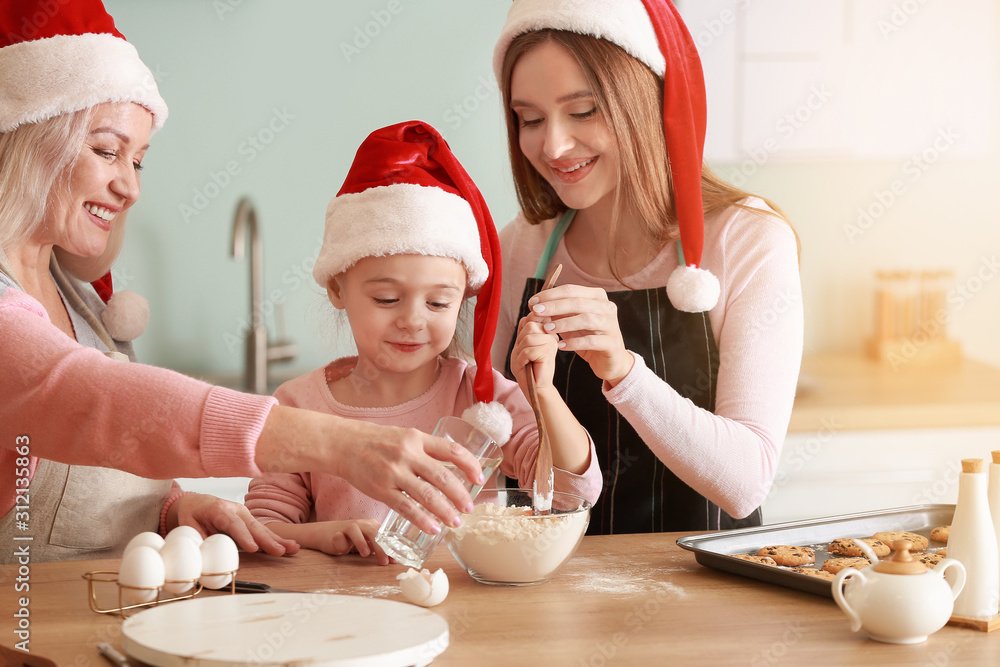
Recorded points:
(251, 587)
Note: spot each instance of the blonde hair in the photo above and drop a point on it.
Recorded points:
(35, 163)
(630, 98)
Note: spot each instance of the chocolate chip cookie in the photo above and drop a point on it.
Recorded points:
(789, 556)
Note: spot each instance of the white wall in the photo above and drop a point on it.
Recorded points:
(305, 80)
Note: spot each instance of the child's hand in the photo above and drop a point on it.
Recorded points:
(534, 345)
(344, 537)
(209, 515)
(587, 322)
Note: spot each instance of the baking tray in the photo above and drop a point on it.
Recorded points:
(714, 549)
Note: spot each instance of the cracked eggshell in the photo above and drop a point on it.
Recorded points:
(424, 588)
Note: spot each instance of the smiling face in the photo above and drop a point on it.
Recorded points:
(103, 183)
(561, 131)
(403, 310)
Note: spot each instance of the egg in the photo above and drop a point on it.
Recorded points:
(147, 539)
(185, 531)
(218, 554)
(182, 564)
(140, 575)
(424, 588)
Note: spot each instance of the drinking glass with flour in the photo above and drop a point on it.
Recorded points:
(402, 539)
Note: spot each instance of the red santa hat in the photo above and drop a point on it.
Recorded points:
(407, 193)
(61, 57)
(653, 32)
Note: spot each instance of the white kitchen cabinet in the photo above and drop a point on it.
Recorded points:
(865, 437)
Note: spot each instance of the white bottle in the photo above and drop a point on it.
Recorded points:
(973, 542)
(993, 494)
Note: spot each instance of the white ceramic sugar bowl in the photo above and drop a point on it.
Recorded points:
(898, 601)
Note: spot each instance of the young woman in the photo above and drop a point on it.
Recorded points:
(408, 241)
(679, 305)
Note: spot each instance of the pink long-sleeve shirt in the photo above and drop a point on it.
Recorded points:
(305, 497)
(731, 456)
(72, 404)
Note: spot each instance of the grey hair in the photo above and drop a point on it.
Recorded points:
(35, 162)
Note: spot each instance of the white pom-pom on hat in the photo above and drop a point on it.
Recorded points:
(126, 315)
(693, 290)
(492, 419)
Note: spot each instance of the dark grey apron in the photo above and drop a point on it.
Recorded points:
(641, 495)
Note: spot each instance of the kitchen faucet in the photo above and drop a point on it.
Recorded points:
(259, 353)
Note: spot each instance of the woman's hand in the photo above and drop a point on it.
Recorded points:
(399, 467)
(209, 515)
(587, 322)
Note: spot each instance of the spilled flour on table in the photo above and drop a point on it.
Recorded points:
(625, 580)
(364, 591)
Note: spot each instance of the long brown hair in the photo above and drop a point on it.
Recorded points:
(630, 98)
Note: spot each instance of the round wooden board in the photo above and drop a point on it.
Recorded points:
(285, 628)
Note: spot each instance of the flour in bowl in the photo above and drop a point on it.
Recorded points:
(509, 545)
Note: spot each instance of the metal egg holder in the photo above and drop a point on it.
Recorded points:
(110, 576)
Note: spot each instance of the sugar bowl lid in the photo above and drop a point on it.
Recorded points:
(902, 561)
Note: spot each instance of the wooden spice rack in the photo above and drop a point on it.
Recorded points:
(911, 319)
(976, 623)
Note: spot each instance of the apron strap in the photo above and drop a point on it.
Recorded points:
(541, 271)
(680, 254)
(550, 246)
(77, 303)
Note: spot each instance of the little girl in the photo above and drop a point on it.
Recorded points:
(408, 240)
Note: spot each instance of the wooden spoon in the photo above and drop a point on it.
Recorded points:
(541, 495)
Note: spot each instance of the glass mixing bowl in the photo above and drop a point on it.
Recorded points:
(500, 542)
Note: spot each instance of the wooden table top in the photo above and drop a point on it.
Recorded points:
(621, 600)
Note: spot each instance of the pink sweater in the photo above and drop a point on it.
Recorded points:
(72, 404)
(730, 457)
(305, 497)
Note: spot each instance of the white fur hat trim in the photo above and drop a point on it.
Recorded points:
(693, 290)
(492, 419)
(622, 22)
(56, 75)
(400, 219)
(126, 315)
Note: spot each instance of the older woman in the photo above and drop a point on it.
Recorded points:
(89, 441)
